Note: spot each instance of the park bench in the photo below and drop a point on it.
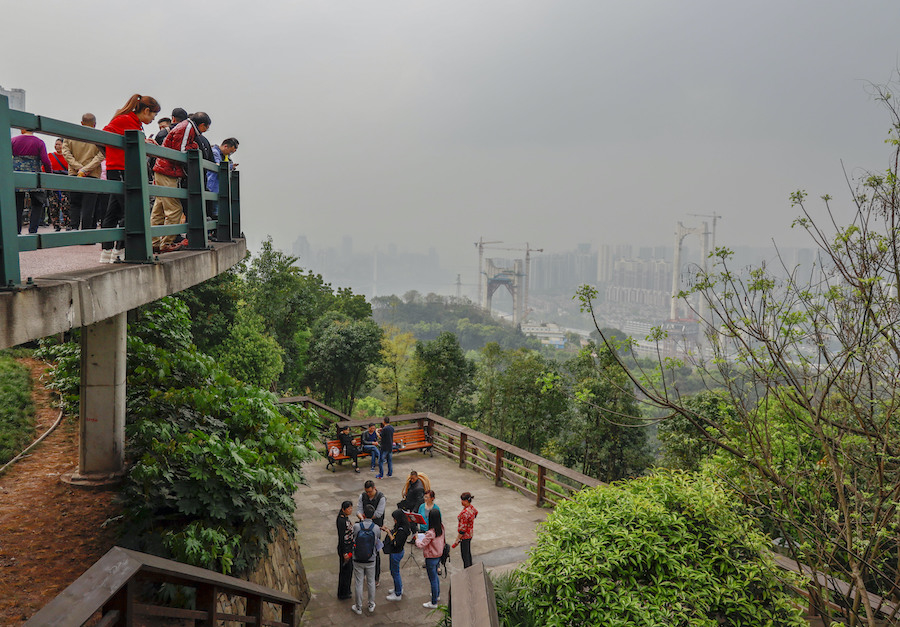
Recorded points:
(405, 439)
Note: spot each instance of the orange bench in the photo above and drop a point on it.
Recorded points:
(405, 440)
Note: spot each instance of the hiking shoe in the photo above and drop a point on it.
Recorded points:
(356, 609)
(106, 255)
(371, 606)
(379, 477)
(430, 605)
(394, 597)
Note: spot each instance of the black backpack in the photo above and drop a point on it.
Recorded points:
(364, 548)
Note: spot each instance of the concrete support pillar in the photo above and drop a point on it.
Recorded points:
(101, 453)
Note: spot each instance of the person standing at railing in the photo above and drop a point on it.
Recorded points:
(84, 159)
(57, 200)
(465, 528)
(168, 173)
(29, 155)
(387, 448)
(220, 153)
(139, 110)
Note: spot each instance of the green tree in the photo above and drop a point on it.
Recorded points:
(394, 375)
(669, 549)
(684, 446)
(820, 347)
(249, 354)
(604, 438)
(341, 355)
(529, 414)
(442, 375)
(213, 307)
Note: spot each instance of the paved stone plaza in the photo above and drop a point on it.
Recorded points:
(504, 530)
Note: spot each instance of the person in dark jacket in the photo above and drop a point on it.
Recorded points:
(347, 446)
(345, 550)
(394, 547)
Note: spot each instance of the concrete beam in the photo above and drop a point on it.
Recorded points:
(61, 302)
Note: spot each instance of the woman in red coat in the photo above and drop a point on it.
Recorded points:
(139, 110)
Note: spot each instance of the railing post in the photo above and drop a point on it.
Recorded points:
(463, 438)
(9, 246)
(196, 206)
(123, 602)
(541, 480)
(207, 598)
(223, 227)
(138, 242)
(498, 466)
(289, 614)
(236, 204)
(255, 608)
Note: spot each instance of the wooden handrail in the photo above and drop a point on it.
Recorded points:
(109, 586)
(306, 401)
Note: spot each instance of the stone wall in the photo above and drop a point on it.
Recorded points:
(281, 569)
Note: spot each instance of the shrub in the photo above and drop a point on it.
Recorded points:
(668, 549)
(16, 408)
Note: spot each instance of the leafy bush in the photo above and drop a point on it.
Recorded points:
(668, 549)
(215, 462)
(16, 408)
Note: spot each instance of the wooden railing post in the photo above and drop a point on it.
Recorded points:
(463, 438)
(207, 597)
(498, 466)
(255, 608)
(289, 614)
(541, 479)
(123, 603)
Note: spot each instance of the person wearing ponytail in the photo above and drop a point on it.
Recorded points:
(465, 528)
(139, 110)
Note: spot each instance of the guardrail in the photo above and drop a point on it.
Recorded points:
(136, 190)
(114, 592)
(532, 475)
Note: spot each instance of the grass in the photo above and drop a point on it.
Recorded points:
(16, 407)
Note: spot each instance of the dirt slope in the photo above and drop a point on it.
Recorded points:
(50, 532)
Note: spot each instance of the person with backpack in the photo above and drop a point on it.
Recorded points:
(432, 545)
(378, 501)
(366, 544)
(345, 550)
(394, 548)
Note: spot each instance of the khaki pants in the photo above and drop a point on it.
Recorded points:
(165, 210)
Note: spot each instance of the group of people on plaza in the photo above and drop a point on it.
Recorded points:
(416, 520)
(83, 210)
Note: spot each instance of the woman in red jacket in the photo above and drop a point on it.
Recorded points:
(139, 110)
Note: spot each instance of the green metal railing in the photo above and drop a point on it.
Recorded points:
(137, 232)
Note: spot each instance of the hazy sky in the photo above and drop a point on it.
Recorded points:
(426, 123)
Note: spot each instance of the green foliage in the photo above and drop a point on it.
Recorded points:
(16, 407)
(215, 462)
(604, 437)
(341, 355)
(670, 549)
(249, 353)
(442, 374)
(684, 444)
(213, 306)
(65, 376)
(429, 316)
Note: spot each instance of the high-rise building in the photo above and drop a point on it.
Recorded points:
(16, 98)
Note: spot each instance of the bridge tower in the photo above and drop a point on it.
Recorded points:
(513, 279)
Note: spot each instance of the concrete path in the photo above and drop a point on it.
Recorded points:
(504, 530)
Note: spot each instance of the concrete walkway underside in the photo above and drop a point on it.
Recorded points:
(504, 531)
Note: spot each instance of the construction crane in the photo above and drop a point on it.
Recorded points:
(714, 217)
(528, 250)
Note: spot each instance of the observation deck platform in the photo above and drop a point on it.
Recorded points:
(504, 530)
